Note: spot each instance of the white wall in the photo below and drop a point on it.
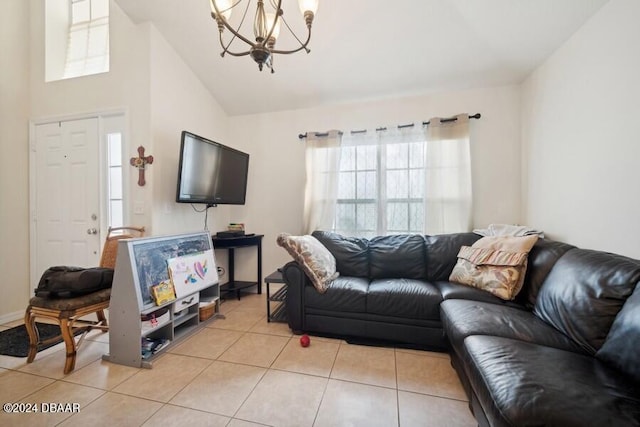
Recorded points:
(581, 127)
(276, 171)
(14, 161)
(179, 102)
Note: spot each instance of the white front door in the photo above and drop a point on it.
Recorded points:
(67, 199)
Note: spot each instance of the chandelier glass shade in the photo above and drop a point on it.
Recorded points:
(266, 28)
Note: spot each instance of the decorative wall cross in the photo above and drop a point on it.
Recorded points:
(140, 163)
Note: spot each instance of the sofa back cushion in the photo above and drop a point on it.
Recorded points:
(399, 256)
(584, 292)
(351, 253)
(313, 257)
(496, 264)
(441, 253)
(542, 258)
(621, 346)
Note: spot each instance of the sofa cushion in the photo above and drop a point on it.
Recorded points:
(496, 264)
(314, 258)
(452, 290)
(461, 318)
(351, 253)
(542, 257)
(441, 252)
(620, 349)
(345, 294)
(584, 292)
(408, 298)
(399, 256)
(519, 383)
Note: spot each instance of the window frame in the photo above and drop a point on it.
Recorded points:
(381, 201)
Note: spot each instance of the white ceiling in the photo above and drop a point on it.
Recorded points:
(361, 50)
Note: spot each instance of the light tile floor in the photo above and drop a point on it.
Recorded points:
(239, 372)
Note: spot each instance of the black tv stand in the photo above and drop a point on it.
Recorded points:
(231, 244)
(231, 234)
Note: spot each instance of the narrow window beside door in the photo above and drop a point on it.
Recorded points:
(114, 157)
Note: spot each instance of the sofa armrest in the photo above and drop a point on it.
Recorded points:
(296, 280)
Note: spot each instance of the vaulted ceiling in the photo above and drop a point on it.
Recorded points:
(370, 49)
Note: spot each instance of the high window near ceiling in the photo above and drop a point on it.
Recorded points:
(76, 38)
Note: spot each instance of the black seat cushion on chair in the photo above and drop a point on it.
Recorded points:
(70, 282)
(69, 304)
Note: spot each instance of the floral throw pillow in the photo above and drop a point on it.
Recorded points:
(313, 257)
(496, 264)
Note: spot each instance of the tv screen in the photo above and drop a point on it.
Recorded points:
(211, 173)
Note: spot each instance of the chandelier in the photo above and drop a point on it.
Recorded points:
(266, 28)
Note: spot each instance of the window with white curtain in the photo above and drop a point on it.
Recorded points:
(88, 38)
(409, 179)
(380, 184)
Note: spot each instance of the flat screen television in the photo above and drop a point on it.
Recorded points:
(211, 173)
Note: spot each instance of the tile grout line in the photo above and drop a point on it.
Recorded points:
(395, 360)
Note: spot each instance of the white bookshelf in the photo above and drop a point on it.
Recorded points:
(140, 264)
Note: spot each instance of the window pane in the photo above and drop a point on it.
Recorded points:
(367, 218)
(115, 182)
(77, 49)
(397, 217)
(416, 217)
(345, 216)
(115, 213)
(366, 157)
(80, 11)
(397, 155)
(416, 183)
(397, 184)
(347, 158)
(98, 40)
(347, 185)
(416, 155)
(99, 8)
(366, 185)
(114, 148)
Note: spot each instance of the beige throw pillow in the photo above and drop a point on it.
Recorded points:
(313, 257)
(496, 264)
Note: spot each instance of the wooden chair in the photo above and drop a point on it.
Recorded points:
(67, 312)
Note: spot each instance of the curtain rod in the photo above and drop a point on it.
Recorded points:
(446, 120)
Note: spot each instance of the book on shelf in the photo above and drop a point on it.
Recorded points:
(163, 292)
(150, 346)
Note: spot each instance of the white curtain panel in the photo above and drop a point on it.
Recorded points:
(322, 157)
(448, 197)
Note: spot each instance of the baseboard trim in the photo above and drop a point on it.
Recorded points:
(10, 317)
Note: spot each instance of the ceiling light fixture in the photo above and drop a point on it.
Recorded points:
(266, 28)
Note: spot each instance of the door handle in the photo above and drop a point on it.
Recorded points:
(92, 231)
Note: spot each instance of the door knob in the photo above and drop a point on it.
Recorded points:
(92, 231)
